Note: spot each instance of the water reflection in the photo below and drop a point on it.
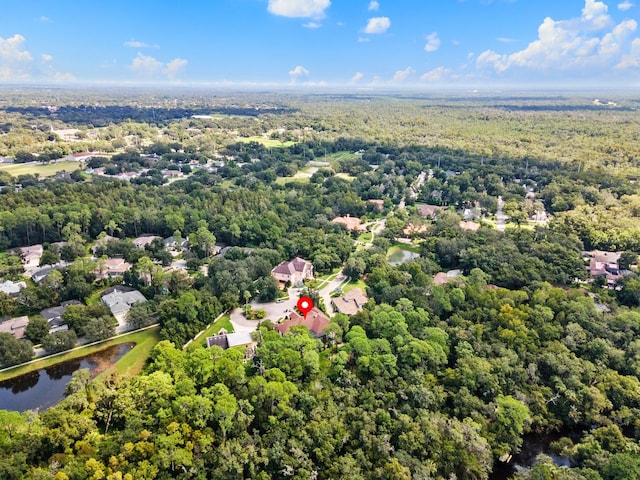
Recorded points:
(37, 391)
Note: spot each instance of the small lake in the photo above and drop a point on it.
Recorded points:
(44, 388)
(400, 256)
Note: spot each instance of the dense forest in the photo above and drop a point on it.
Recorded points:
(429, 380)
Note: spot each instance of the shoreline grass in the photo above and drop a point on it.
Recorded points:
(145, 340)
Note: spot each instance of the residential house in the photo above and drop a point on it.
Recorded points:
(12, 288)
(144, 240)
(101, 242)
(31, 256)
(605, 264)
(316, 321)
(471, 214)
(351, 302)
(171, 243)
(121, 299)
(15, 326)
(230, 340)
(112, 267)
(53, 315)
(441, 278)
(294, 271)
(41, 274)
(429, 211)
(469, 226)
(350, 223)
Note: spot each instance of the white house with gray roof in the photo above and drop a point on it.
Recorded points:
(120, 301)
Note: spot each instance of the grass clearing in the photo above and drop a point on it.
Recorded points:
(366, 237)
(223, 322)
(355, 284)
(267, 142)
(134, 361)
(285, 180)
(405, 246)
(131, 363)
(346, 176)
(47, 170)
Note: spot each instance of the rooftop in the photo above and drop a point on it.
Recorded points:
(316, 321)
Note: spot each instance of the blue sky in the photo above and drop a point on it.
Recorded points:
(356, 43)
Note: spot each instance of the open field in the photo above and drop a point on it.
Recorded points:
(222, 322)
(129, 364)
(355, 284)
(267, 142)
(346, 176)
(48, 170)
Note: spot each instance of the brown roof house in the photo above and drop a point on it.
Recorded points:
(316, 321)
(15, 326)
(429, 211)
(350, 223)
(605, 264)
(294, 271)
(113, 267)
(144, 240)
(351, 302)
(31, 256)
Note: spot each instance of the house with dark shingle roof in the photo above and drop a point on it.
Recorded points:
(294, 271)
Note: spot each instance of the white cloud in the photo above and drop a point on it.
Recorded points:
(632, 59)
(435, 75)
(373, 6)
(455, 42)
(378, 25)
(357, 77)
(363, 39)
(298, 72)
(174, 68)
(624, 6)
(147, 66)
(15, 60)
(42, 18)
(137, 44)
(299, 8)
(505, 40)
(312, 25)
(582, 44)
(433, 42)
(46, 57)
(402, 75)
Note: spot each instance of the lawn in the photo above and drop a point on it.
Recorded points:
(354, 284)
(365, 238)
(404, 246)
(223, 322)
(285, 180)
(267, 142)
(134, 361)
(345, 176)
(129, 364)
(49, 170)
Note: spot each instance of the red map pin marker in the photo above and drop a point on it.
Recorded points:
(305, 304)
